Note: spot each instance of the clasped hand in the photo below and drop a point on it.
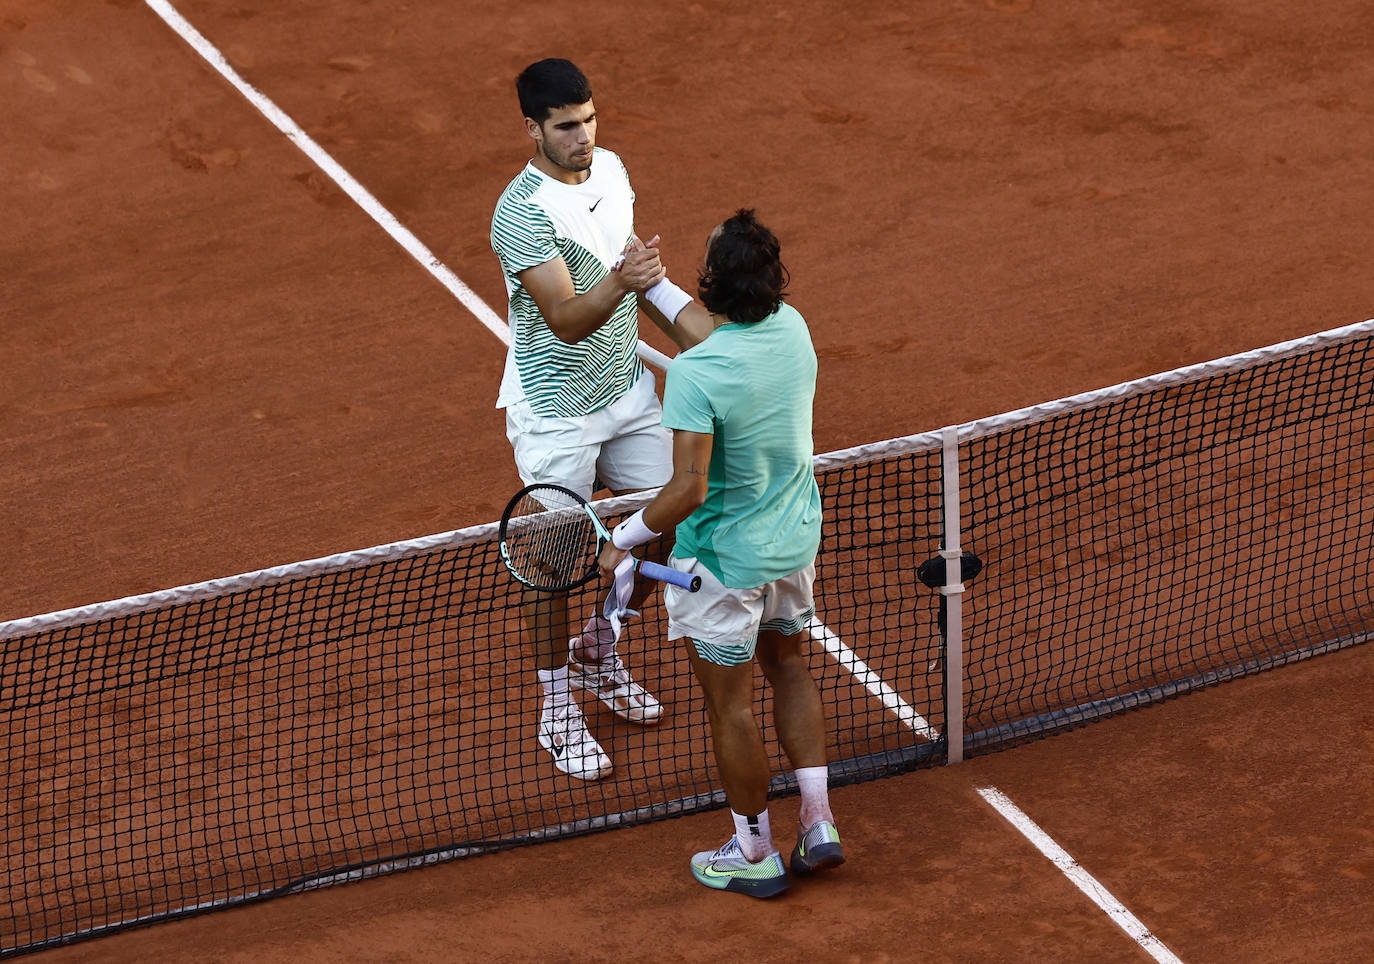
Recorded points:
(640, 268)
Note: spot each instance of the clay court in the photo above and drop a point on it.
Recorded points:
(217, 362)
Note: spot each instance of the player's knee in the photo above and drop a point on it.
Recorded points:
(779, 654)
(735, 714)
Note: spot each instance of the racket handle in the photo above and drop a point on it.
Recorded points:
(669, 575)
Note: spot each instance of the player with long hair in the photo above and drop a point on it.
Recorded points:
(747, 511)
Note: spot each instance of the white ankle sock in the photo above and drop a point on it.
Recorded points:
(596, 642)
(755, 838)
(814, 783)
(554, 682)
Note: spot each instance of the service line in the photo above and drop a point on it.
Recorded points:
(1081, 879)
(870, 680)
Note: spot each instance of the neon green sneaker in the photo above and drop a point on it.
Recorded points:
(726, 869)
(817, 848)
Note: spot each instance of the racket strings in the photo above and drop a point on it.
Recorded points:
(550, 541)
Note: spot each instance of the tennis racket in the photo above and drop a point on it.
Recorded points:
(550, 540)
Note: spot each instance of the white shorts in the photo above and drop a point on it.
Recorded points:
(622, 446)
(724, 623)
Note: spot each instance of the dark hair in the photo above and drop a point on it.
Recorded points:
(744, 278)
(550, 83)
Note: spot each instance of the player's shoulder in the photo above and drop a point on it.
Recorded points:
(789, 315)
(522, 191)
(718, 355)
(705, 361)
(789, 323)
(600, 153)
(795, 335)
(518, 209)
(610, 161)
(689, 380)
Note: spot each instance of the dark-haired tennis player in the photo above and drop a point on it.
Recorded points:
(580, 406)
(747, 511)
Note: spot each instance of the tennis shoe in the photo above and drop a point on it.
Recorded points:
(727, 869)
(563, 732)
(610, 682)
(817, 848)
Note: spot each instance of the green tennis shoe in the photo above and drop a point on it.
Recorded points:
(726, 869)
(817, 848)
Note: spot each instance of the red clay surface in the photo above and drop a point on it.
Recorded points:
(215, 362)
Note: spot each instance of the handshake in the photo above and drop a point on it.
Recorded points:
(640, 271)
(638, 266)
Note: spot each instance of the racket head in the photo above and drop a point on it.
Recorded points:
(549, 539)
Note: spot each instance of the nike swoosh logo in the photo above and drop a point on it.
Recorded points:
(556, 748)
(592, 209)
(710, 871)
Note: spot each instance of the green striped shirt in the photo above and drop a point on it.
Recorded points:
(536, 220)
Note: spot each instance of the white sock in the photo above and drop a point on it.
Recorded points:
(814, 783)
(755, 838)
(554, 682)
(597, 641)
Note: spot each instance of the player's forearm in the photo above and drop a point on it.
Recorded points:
(675, 502)
(694, 323)
(692, 326)
(664, 325)
(580, 316)
(685, 492)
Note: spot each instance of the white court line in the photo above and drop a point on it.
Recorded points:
(870, 680)
(341, 177)
(403, 236)
(1081, 879)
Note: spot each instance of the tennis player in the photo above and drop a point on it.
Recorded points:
(747, 511)
(581, 409)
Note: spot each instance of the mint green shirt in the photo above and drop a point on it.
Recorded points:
(752, 387)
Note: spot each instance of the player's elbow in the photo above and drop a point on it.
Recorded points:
(696, 493)
(566, 335)
(685, 494)
(564, 325)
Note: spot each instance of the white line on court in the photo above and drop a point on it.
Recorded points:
(870, 680)
(320, 156)
(1081, 879)
(403, 236)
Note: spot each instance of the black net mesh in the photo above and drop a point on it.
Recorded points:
(1149, 545)
(352, 723)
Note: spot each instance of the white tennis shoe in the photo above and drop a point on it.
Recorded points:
(610, 682)
(563, 732)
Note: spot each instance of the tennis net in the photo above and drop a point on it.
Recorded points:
(325, 721)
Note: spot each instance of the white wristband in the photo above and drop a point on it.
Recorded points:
(632, 532)
(668, 298)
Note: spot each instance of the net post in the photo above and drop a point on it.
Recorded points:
(952, 591)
